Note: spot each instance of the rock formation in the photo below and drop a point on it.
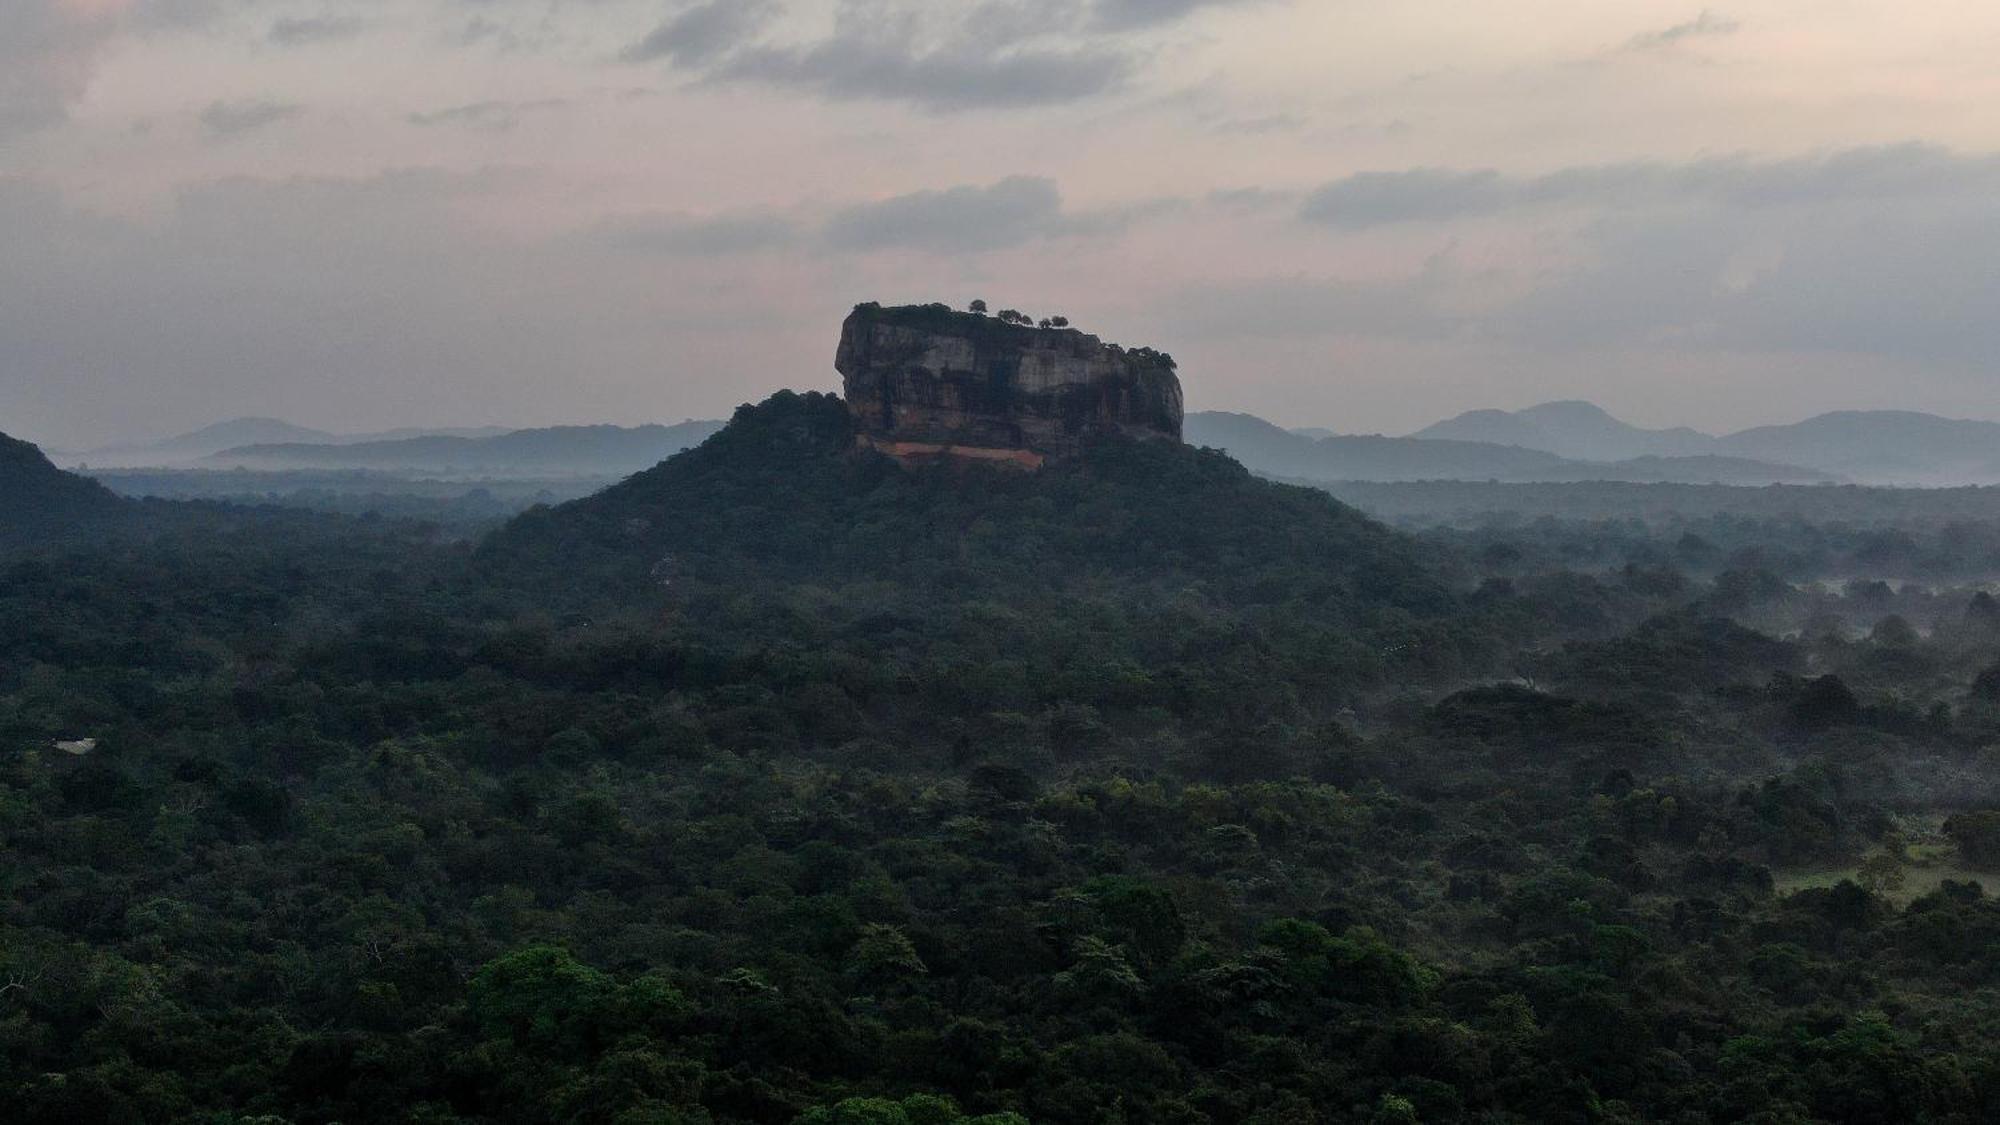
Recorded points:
(924, 381)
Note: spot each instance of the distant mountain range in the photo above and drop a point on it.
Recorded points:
(1579, 431)
(1261, 446)
(190, 447)
(1868, 446)
(1269, 449)
(563, 450)
(1881, 447)
(1553, 442)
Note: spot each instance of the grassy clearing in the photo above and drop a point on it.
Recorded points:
(1917, 881)
(1924, 859)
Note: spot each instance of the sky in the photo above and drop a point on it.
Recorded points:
(1358, 214)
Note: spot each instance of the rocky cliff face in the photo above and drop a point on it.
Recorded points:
(925, 381)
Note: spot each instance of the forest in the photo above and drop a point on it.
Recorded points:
(780, 784)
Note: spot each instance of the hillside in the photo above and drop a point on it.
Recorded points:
(575, 450)
(209, 439)
(1884, 447)
(1265, 448)
(1881, 447)
(1577, 430)
(1268, 449)
(781, 495)
(38, 500)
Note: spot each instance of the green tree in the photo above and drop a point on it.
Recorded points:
(1977, 835)
(541, 998)
(883, 955)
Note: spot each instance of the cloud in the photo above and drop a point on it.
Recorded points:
(1707, 25)
(1250, 200)
(994, 54)
(312, 30)
(358, 302)
(1855, 274)
(230, 119)
(1887, 255)
(1865, 279)
(1279, 307)
(1129, 14)
(699, 237)
(249, 290)
(953, 221)
(479, 30)
(958, 76)
(704, 32)
(1368, 199)
(1904, 172)
(1264, 125)
(490, 116)
(48, 51)
(956, 221)
(352, 302)
(175, 15)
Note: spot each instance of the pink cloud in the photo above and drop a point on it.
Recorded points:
(48, 54)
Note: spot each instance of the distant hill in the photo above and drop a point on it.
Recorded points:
(1699, 469)
(1482, 503)
(1887, 447)
(39, 501)
(1881, 447)
(1273, 451)
(191, 447)
(1579, 431)
(1270, 449)
(574, 450)
(200, 443)
(401, 432)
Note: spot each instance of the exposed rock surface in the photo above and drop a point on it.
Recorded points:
(925, 381)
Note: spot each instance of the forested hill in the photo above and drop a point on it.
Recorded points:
(781, 495)
(38, 500)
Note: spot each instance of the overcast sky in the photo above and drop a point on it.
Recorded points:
(1360, 214)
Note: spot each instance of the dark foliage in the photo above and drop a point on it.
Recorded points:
(780, 784)
(39, 502)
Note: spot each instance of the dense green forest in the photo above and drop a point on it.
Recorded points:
(782, 784)
(1484, 503)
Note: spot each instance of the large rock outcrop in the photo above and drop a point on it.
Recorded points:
(924, 381)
